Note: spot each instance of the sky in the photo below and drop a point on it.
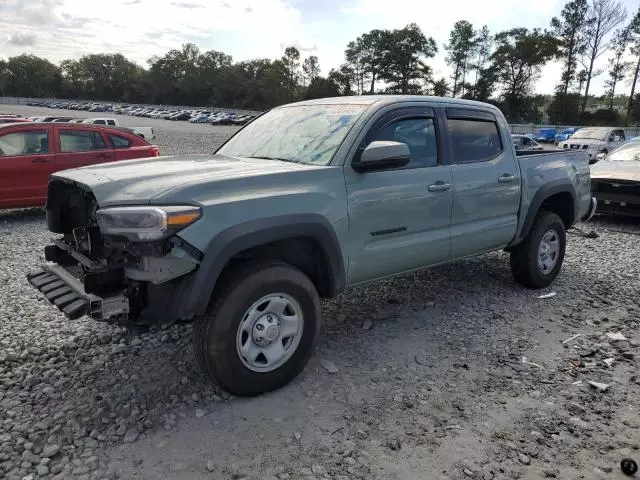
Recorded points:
(245, 29)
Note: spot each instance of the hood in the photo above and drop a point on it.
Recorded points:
(609, 170)
(139, 181)
(583, 141)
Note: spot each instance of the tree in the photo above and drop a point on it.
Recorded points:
(460, 50)
(31, 76)
(366, 56)
(617, 66)
(321, 87)
(481, 53)
(4, 77)
(343, 78)
(291, 62)
(517, 61)
(634, 32)
(405, 61)
(634, 113)
(311, 68)
(564, 108)
(570, 32)
(604, 16)
(441, 87)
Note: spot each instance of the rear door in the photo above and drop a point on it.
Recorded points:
(26, 161)
(126, 148)
(486, 182)
(77, 147)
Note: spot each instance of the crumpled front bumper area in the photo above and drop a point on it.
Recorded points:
(66, 292)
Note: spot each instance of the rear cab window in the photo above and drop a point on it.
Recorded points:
(475, 136)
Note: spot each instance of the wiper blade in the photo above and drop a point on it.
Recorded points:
(277, 158)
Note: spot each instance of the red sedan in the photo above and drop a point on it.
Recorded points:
(30, 152)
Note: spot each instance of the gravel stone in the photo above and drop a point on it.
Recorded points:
(50, 451)
(42, 470)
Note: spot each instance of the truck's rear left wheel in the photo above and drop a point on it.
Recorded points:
(536, 262)
(258, 332)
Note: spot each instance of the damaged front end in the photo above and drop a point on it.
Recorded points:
(617, 196)
(120, 264)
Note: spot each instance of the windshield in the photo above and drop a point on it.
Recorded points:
(301, 134)
(630, 151)
(591, 134)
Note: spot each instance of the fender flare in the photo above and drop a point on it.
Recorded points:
(254, 233)
(546, 191)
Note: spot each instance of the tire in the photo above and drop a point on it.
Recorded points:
(222, 333)
(525, 257)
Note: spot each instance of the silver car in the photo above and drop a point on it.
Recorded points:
(524, 143)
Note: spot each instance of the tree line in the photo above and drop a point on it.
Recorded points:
(501, 68)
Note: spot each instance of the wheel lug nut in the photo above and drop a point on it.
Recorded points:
(260, 327)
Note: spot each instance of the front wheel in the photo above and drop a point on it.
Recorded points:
(259, 329)
(536, 262)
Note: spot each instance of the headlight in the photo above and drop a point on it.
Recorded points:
(141, 224)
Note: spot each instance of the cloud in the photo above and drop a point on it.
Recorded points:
(187, 5)
(132, 2)
(22, 39)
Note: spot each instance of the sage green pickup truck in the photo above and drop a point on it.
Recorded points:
(306, 200)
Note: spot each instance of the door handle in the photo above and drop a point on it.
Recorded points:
(39, 160)
(506, 178)
(439, 186)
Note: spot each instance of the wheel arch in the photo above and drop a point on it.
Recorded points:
(558, 197)
(289, 237)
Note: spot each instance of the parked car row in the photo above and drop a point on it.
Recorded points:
(202, 116)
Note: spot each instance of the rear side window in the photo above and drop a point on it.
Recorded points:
(111, 122)
(474, 140)
(32, 142)
(119, 142)
(99, 122)
(418, 133)
(80, 141)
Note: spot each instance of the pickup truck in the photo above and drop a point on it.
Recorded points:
(304, 201)
(144, 132)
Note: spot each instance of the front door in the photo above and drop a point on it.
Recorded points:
(79, 147)
(486, 182)
(399, 218)
(25, 165)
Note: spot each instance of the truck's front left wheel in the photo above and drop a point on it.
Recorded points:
(258, 332)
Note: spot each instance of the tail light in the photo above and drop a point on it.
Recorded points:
(155, 151)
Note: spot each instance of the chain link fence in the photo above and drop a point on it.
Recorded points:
(523, 129)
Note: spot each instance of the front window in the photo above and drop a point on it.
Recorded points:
(24, 143)
(301, 134)
(629, 152)
(590, 134)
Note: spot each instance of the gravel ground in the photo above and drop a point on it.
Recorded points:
(450, 373)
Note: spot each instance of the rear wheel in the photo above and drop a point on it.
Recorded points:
(536, 262)
(258, 332)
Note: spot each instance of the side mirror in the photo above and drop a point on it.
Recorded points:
(382, 155)
(601, 156)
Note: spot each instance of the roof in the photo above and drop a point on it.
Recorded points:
(387, 99)
(87, 126)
